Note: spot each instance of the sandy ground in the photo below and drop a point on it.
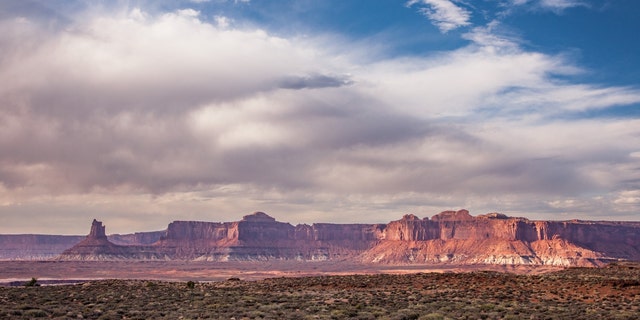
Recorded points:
(218, 271)
(611, 292)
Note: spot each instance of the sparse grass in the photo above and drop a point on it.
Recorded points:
(606, 293)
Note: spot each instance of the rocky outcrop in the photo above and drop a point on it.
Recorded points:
(96, 246)
(449, 237)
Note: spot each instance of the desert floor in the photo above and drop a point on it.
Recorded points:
(611, 292)
(217, 271)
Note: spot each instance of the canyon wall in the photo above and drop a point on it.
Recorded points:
(138, 238)
(458, 237)
(448, 237)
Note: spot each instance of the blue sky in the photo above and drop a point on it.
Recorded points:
(139, 113)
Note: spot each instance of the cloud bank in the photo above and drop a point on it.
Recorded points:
(147, 118)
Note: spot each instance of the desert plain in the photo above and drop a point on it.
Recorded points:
(319, 290)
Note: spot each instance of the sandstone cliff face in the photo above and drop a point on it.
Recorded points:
(451, 225)
(411, 228)
(138, 238)
(448, 237)
(495, 238)
(260, 237)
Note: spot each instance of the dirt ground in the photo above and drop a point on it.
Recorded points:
(217, 271)
(393, 293)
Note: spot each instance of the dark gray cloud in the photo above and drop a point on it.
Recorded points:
(314, 82)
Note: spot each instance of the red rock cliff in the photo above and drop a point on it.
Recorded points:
(448, 237)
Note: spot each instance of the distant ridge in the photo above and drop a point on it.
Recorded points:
(34, 246)
(47, 247)
(450, 237)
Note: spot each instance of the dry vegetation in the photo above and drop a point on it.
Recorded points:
(577, 293)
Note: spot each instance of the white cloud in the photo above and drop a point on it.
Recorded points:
(459, 83)
(490, 37)
(119, 63)
(155, 117)
(628, 197)
(557, 6)
(445, 14)
(222, 21)
(138, 14)
(188, 13)
(556, 98)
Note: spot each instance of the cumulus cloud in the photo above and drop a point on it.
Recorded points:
(123, 63)
(445, 14)
(104, 117)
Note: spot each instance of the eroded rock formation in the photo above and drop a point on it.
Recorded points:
(448, 237)
(95, 246)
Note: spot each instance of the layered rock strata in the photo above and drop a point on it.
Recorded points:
(448, 237)
(35, 246)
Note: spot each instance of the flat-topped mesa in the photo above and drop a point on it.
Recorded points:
(262, 228)
(448, 237)
(189, 231)
(200, 234)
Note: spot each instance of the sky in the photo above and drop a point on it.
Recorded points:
(139, 113)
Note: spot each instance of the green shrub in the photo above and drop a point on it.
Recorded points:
(32, 283)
